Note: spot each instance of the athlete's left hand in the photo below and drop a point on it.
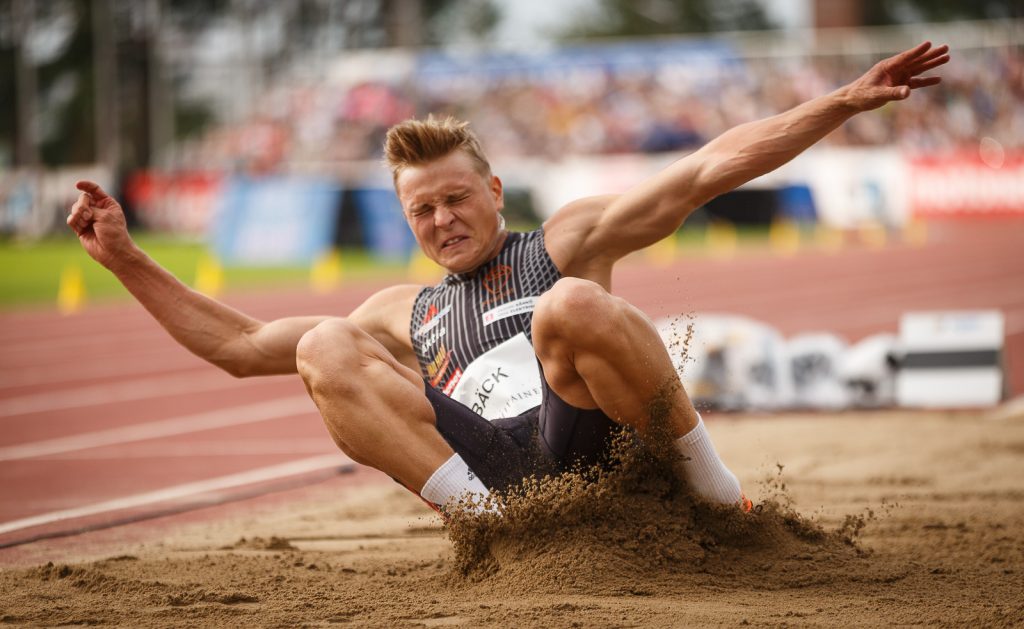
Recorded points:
(893, 78)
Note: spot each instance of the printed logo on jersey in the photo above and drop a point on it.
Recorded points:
(510, 309)
(502, 382)
(431, 339)
(432, 320)
(496, 283)
(453, 382)
(439, 366)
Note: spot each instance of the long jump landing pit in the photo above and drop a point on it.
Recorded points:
(945, 546)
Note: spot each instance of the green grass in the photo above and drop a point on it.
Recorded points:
(30, 272)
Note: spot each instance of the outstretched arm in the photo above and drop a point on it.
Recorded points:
(600, 230)
(231, 340)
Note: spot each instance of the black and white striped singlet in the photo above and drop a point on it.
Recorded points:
(472, 335)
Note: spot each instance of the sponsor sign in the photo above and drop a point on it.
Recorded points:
(278, 220)
(967, 185)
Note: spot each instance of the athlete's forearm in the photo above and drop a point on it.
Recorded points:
(211, 330)
(755, 148)
(657, 207)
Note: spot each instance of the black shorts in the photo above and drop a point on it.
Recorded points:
(548, 439)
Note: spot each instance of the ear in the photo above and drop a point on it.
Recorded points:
(498, 192)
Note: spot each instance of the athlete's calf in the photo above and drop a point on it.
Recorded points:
(598, 350)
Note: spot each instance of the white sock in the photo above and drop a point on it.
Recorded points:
(451, 482)
(707, 475)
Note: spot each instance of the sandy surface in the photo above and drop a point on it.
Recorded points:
(944, 546)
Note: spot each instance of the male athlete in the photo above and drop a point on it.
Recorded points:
(520, 361)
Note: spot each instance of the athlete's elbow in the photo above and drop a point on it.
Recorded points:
(239, 364)
(234, 368)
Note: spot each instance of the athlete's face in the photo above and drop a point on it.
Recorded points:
(453, 210)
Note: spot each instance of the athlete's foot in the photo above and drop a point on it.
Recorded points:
(745, 505)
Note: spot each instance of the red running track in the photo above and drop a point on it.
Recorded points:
(106, 420)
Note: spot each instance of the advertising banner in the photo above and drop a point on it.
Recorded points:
(385, 231)
(276, 221)
(989, 183)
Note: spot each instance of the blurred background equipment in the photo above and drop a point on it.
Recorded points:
(133, 93)
(244, 136)
(951, 359)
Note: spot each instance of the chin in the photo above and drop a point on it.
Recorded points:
(457, 264)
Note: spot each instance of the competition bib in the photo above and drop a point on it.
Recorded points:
(503, 382)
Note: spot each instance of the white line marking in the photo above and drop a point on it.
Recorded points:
(263, 411)
(187, 490)
(136, 364)
(123, 391)
(106, 341)
(233, 447)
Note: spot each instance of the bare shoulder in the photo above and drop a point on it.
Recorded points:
(568, 233)
(385, 315)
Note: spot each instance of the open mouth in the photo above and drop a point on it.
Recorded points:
(452, 241)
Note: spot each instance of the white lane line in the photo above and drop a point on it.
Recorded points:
(104, 341)
(251, 413)
(234, 447)
(187, 490)
(123, 391)
(62, 372)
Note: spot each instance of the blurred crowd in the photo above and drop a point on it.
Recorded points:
(601, 111)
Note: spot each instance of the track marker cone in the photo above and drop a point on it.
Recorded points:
(784, 236)
(915, 233)
(71, 291)
(663, 252)
(721, 239)
(422, 269)
(209, 276)
(828, 238)
(325, 274)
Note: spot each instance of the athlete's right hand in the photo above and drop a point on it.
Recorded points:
(100, 224)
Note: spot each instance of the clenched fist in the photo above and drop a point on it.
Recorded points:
(100, 224)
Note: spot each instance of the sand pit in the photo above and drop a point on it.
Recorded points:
(934, 501)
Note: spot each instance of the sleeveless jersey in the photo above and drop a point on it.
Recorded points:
(471, 333)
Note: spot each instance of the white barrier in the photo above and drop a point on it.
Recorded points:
(815, 360)
(730, 362)
(951, 359)
(868, 371)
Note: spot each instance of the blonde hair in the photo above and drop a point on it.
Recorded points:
(418, 142)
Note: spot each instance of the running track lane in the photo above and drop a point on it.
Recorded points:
(102, 410)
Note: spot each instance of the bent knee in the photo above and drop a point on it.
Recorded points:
(329, 346)
(571, 297)
(573, 307)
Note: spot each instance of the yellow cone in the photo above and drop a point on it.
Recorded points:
(721, 239)
(915, 233)
(873, 234)
(71, 292)
(423, 270)
(828, 238)
(784, 237)
(325, 275)
(209, 276)
(663, 252)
